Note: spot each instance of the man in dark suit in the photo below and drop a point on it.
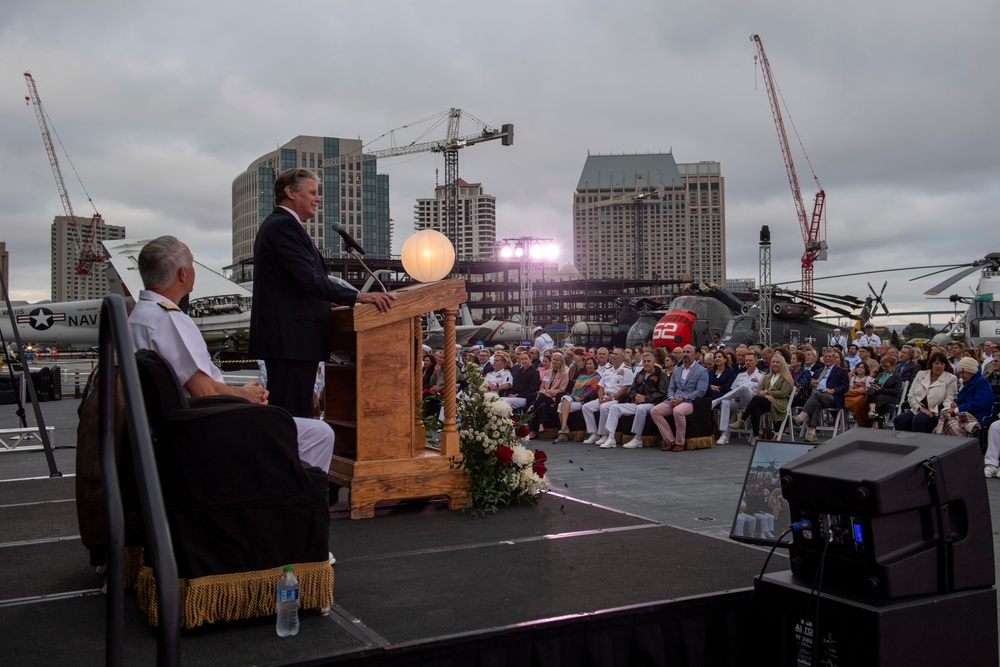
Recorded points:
(290, 321)
(829, 384)
(908, 367)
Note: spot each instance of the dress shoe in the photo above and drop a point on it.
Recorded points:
(723, 439)
(668, 446)
(592, 439)
(678, 448)
(634, 443)
(609, 443)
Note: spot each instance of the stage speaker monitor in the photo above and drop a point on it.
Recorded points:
(903, 514)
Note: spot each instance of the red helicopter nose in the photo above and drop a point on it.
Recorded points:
(674, 329)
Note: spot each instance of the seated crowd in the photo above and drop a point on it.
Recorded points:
(942, 390)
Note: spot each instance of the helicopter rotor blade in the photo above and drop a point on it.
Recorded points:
(845, 299)
(948, 282)
(838, 310)
(934, 273)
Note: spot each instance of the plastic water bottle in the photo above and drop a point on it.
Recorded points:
(288, 604)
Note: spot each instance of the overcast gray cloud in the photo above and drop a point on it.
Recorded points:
(160, 106)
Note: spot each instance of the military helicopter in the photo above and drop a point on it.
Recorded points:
(696, 318)
(635, 316)
(792, 321)
(982, 319)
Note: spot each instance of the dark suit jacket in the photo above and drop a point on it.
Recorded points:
(291, 293)
(838, 380)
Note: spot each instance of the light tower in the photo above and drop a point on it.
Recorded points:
(764, 285)
(527, 249)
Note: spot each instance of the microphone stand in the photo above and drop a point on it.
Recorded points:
(352, 251)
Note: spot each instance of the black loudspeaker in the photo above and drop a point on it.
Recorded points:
(897, 514)
(857, 631)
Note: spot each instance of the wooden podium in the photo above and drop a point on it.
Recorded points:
(372, 394)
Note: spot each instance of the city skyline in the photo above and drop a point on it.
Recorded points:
(892, 102)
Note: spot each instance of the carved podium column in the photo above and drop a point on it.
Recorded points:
(372, 397)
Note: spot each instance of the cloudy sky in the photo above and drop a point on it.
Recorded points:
(161, 105)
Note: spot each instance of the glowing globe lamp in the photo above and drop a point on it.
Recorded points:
(428, 255)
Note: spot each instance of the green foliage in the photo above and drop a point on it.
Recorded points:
(918, 330)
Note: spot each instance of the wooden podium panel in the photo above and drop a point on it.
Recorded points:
(372, 397)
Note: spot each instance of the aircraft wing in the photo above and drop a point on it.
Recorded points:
(124, 277)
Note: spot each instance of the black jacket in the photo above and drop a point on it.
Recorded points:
(290, 318)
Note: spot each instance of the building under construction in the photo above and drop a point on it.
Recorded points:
(494, 289)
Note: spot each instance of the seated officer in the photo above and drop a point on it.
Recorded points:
(157, 323)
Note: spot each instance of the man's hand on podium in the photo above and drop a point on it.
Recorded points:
(382, 300)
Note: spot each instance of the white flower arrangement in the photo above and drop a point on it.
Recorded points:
(501, 469)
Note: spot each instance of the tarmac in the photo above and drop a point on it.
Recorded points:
(693, 490)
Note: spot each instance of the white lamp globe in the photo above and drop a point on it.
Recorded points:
(428, 255)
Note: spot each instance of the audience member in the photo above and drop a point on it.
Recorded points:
(689, 381)
(852, 358)
(829, 386)
(743, 389)
(884, 392)
(800, 377)
(932, 391)
(499, 379)
(869, 337)
(721, 376)
(771, 398)
(613, 385)
(166, 268)
(584, 390)
(525, 382)
(648, 388)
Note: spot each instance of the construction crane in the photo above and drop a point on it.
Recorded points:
(83, 240)
(813, 231)
(449, 147)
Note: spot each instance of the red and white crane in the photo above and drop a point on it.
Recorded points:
(82, 235)
(813, 229)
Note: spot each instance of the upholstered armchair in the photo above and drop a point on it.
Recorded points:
(240, 503)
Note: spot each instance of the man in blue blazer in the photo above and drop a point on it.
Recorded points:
(290, 325)
(829, 384)
(688, 382)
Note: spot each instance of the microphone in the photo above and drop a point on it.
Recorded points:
(348, 239)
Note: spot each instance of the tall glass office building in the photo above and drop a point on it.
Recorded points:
(352, 193)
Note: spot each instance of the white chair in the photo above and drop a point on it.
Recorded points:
(785, 426)
(827, 414)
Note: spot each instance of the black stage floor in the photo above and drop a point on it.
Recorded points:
(412, 580)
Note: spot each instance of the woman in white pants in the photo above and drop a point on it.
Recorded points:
(744, 388)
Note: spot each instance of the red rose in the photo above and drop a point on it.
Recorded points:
(523, 430)
(505, 454)
(538, 467)
(540, 456)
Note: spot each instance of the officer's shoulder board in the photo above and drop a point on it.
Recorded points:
(166, 305)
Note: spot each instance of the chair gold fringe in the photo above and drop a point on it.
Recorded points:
(703, 442)
(133, 564)
(227, 597)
